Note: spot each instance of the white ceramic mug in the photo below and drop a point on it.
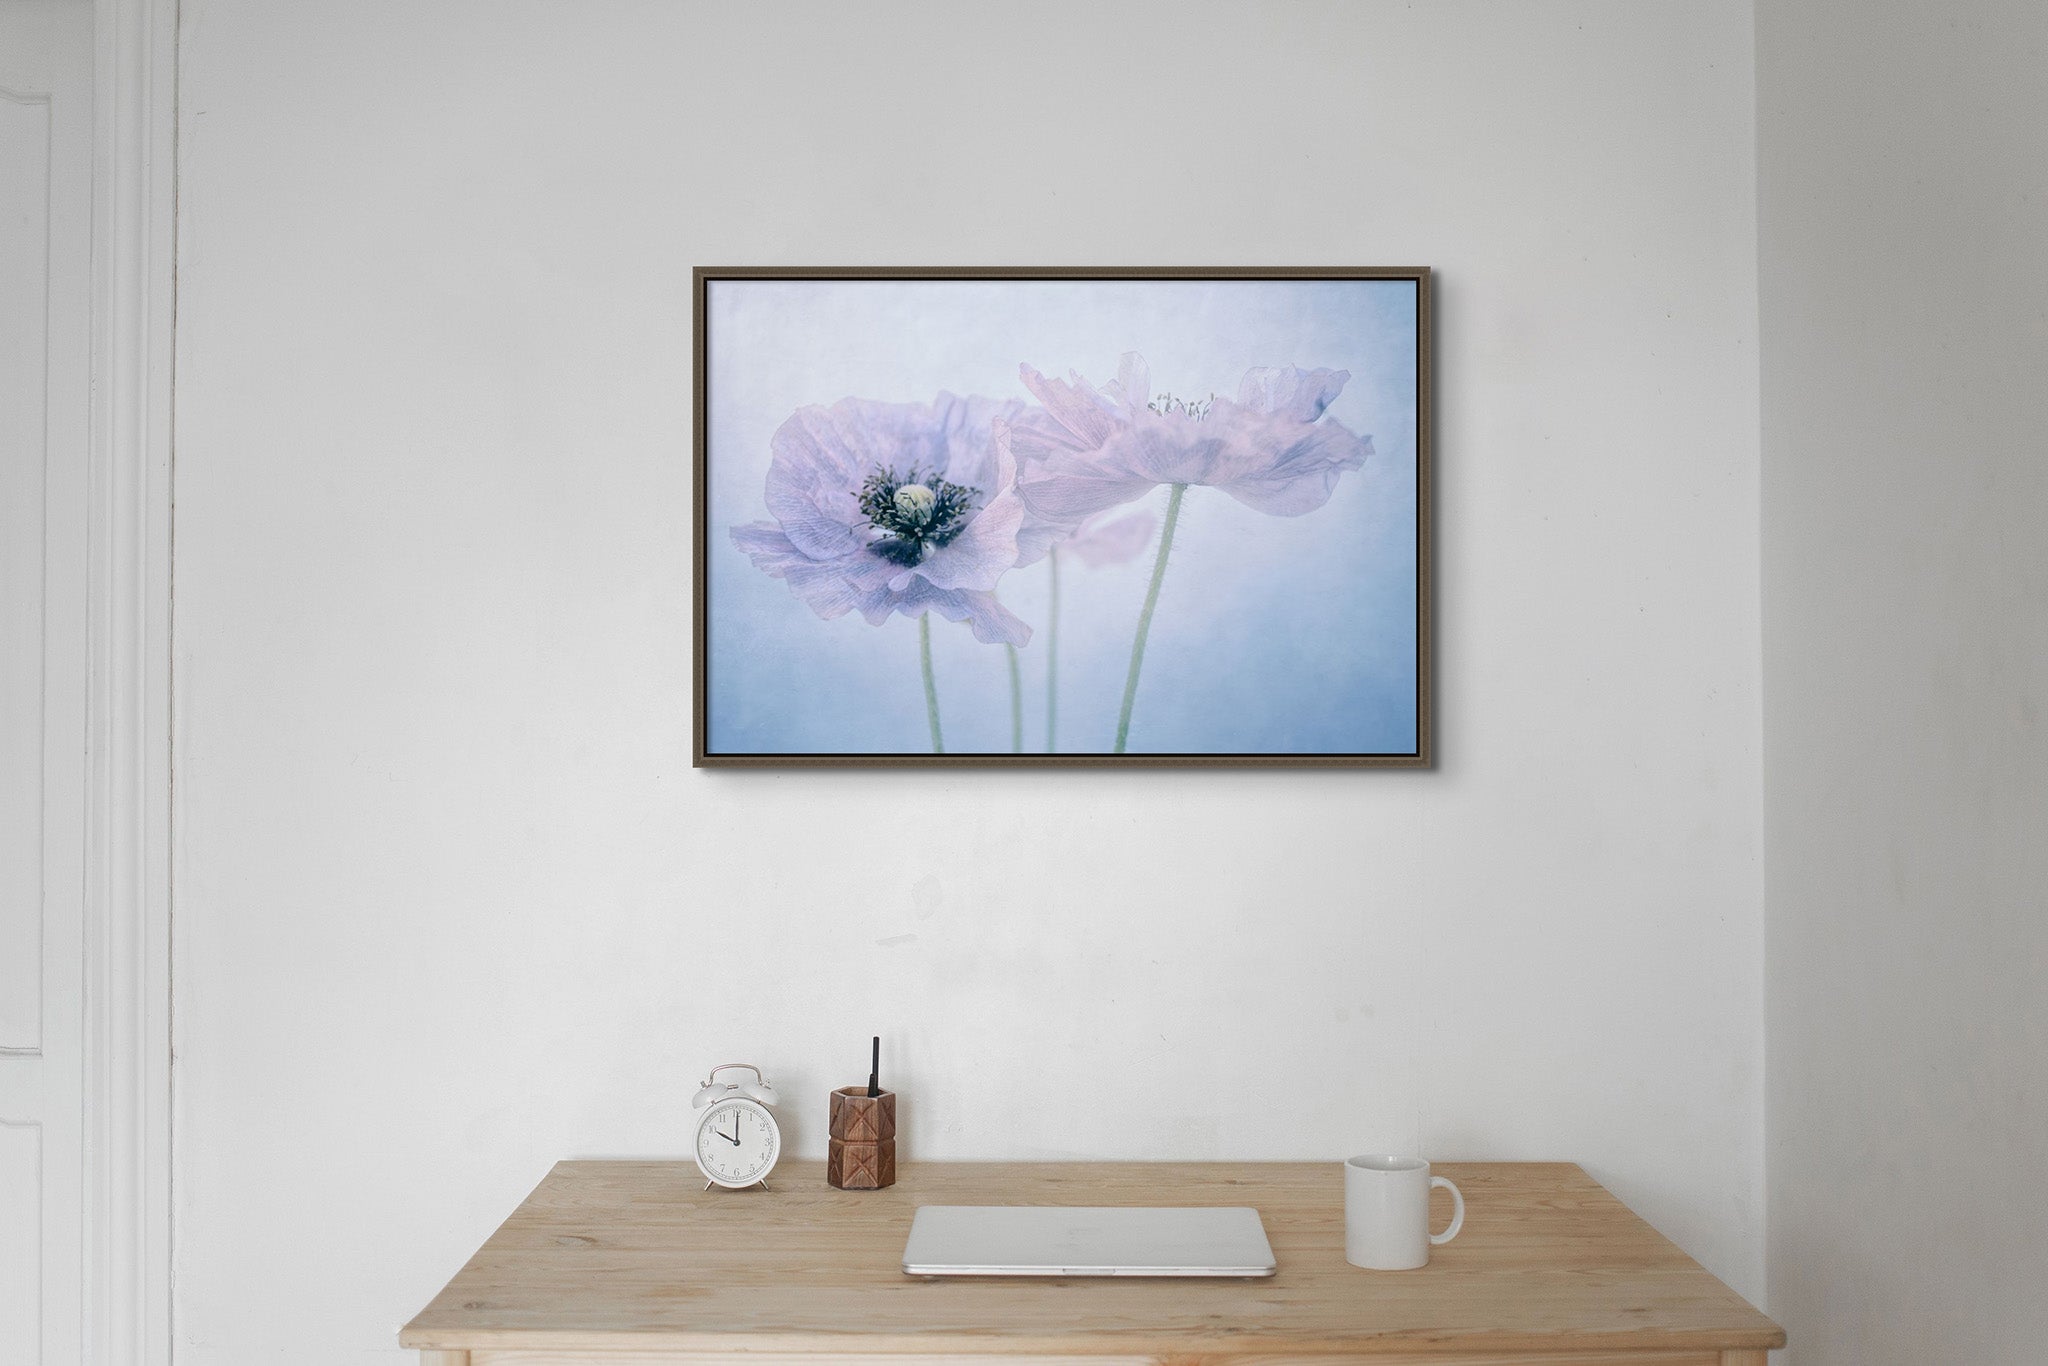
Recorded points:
(1386, 1212)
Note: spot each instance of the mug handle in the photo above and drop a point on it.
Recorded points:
(1457, 1212)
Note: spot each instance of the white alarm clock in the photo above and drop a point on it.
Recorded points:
(737, 1137)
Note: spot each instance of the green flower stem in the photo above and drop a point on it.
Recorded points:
(1016, 704)
(1123, 722)
(1052, 658)
(931, 687)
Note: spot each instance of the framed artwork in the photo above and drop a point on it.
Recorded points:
(1060, 516)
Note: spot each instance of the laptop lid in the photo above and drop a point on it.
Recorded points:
(1066, 1240)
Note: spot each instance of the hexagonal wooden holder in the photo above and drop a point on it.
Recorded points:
(860, 1150)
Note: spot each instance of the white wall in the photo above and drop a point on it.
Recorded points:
(450, 901)
(1905, 310)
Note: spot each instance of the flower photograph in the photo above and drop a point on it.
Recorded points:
(1042, 517)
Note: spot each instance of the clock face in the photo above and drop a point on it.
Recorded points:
(737, 1142)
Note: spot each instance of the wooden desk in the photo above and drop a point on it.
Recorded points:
(636, 1264)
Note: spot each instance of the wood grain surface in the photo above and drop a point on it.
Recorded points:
(1404, 1358)
(636, 1257)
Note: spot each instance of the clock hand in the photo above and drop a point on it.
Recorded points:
(733, 1137)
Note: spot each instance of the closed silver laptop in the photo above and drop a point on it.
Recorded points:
(1066, 1240)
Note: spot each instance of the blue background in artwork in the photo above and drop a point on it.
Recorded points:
(1273, 634)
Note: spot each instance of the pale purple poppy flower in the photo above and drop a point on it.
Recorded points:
(1090, 449)
(1110, 538)
(1096, 539)
(885, 508)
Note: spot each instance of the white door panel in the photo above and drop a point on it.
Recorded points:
(24, 269)
(45, 358)
(21, 1251)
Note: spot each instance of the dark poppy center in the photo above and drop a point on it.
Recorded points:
(913, 513)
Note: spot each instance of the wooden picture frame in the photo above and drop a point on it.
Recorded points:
(870, 531)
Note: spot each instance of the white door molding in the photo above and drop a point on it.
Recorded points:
(128, 771)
